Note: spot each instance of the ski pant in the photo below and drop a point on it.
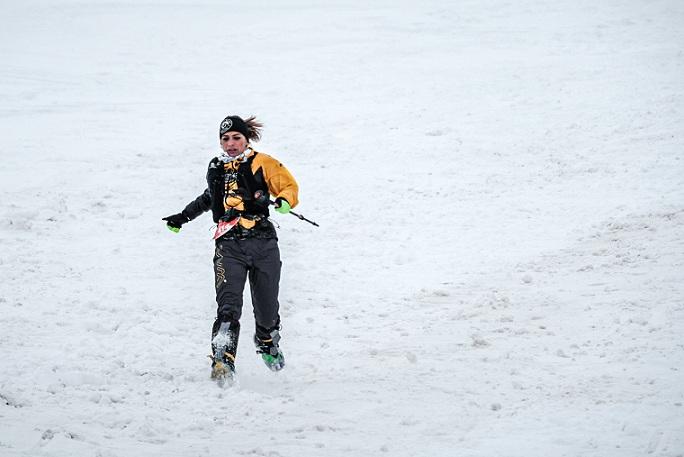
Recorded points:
(234, 261)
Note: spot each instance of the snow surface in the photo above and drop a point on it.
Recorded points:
(498, 270)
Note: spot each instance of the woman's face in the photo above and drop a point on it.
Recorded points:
(233, 143)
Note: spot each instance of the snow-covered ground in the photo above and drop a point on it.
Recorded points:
(498, 271)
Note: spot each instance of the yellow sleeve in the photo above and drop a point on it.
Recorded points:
(280, 182)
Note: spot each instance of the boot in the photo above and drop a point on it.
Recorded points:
(270, 351)
(224, 341)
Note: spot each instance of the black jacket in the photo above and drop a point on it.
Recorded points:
(259, 173)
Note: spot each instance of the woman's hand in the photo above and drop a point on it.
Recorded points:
(214, 172)
(282, 205)
(175, 222)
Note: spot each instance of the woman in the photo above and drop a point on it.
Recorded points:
(239, 182)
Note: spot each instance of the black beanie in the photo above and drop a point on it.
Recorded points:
(233, 124)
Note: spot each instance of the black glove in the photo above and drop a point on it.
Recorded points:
(215, 172)
(175, 222)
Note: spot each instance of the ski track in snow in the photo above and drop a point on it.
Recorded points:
(498, 267)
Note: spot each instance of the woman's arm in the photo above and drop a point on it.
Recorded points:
(281, 184)
(198, 206)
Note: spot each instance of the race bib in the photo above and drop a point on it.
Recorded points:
(224, 227)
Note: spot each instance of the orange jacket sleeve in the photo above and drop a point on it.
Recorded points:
(281, 183)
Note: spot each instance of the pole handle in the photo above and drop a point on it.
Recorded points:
(260, 197)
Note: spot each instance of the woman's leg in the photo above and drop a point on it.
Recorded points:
(230, 273)
(264, 282)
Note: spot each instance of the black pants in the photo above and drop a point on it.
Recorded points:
(233, 262)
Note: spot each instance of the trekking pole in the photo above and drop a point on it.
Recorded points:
(260, 197)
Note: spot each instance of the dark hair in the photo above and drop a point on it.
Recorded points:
(253, 128)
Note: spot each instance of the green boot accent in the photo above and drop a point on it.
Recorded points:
(274, 363)
(270, 351)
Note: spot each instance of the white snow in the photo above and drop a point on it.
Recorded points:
(222, 338)
(498, 270)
